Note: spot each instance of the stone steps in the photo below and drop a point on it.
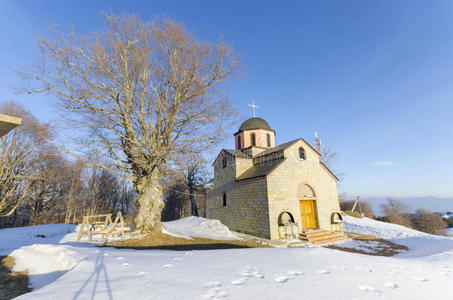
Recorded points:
(320, 236)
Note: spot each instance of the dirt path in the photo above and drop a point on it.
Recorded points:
(12, 284)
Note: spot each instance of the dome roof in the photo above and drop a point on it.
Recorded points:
(254, 123)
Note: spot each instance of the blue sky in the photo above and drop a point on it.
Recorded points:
(374, 78)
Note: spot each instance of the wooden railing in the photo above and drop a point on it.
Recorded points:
(103, 225)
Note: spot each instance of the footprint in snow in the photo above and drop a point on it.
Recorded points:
(295, 273)
(212, 284)
(177, 258)
(126, 264)
(119, 257)
(106, 254)
(419, 278)
(368, 288)
(252, 274)
(214, 293)
(168, 265)
(323, 272)
(391, 285)
(141, 273)
(239, 281)
(281, 279)
(257, 274)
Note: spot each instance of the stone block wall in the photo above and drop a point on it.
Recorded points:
(246, 210)
(284, 182)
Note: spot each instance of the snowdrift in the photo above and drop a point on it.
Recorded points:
(419, 243)
(44, 262)
(199, 227)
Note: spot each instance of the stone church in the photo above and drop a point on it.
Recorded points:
(263, 189)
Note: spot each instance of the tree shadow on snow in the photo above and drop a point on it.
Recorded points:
(99, 268)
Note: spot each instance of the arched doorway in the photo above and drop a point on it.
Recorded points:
(307, 201)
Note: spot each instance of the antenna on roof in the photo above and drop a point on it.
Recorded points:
(253, 106)
(317, 142)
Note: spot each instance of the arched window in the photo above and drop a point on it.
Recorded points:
(306, 191)
(268, 137)
(224, 202)
(253, 139)
(224, 162)
(239, 142)
(301, 153)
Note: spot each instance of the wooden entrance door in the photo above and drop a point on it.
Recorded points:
(307, 212)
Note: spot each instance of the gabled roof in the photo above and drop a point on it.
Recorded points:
(285, 146)
(260, 170)
(328, 171)
(8, 123)
(235, 153)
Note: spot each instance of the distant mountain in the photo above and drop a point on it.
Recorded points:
(434, 204)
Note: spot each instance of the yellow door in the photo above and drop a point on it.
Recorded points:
(307, 212)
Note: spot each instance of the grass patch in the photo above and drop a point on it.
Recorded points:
(353, 213)
(167, 242)
(374, 246)
(12, 284)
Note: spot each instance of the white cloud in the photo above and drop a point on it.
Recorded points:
(383, 163)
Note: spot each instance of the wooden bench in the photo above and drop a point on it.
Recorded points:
(103, 225)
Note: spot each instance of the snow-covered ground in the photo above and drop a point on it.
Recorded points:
(200, 227)
(419, 243)
(423, 272)
(449, 231)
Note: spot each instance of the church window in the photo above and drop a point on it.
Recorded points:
(239, 142)
(268, 136)
(301, 153)
(253, 139)
(224, 200)
(224, 162)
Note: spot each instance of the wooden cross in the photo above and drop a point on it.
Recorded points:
(253, 106)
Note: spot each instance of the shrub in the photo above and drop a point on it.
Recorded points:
(362, 207)
(449, 222)
(429, 222)
(353, 213)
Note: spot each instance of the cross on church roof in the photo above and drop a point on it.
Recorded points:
(253, 106)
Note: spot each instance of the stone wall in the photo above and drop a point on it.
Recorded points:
(246, 210)
(284, 182)
(254, 205)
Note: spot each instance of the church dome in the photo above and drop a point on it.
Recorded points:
(254, 123)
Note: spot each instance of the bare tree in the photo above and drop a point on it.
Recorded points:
(175, 196)
(330, 159)
(19, 155)
(195, 174)
(52, 182)
(144, 91)
(397, 212)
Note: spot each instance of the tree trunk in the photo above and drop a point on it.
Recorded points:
(150, 203)
(193, 203)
